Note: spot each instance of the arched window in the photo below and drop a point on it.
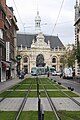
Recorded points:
(53, 60)
(25, 60)
(61, 60)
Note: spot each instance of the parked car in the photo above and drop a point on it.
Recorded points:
(54, 73)
(58, 73)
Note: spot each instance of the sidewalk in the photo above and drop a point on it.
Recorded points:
(7, 84)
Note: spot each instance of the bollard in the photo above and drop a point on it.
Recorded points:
(72, 89)
(42, 113)
(59, 83)
(54, 80)
(39, 112)
(69, 87)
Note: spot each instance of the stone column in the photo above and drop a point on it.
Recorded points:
(58, 63)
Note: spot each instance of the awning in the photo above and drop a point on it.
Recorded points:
(4, 63)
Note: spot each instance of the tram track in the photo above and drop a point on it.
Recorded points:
(21, 106)
(71, 98)
(17, 85)
(51, 102)
(23, 103)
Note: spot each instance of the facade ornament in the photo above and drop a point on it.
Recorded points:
(33, 41)
(21, 46)
(48, 42)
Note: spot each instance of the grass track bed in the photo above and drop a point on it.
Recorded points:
(20, 87)
(30, 115)
(71, 94)
(8, 115)
(29, 81)
(32, 94)
(34, 115)
(34, 87)
(13, 94)
(14, 87)
(57, 94)
(50, 87)
(44, 81)
(60, 87)
(23, 87)
(69, 115)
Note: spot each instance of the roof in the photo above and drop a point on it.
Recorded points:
(26, 40)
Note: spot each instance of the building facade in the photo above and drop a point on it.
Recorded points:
(77, 32)
(39, 50)
(8, 30)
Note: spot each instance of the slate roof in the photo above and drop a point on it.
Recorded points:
(26, 40)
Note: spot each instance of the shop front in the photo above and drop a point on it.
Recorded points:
(5, 71)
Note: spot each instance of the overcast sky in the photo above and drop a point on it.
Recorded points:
(48, 10)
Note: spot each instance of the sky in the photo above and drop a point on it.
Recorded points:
(26, 10)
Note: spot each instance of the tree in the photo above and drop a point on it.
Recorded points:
(69, 56)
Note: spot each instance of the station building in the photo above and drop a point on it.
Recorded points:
(39, 49)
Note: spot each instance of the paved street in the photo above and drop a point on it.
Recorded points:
(67, 83)
(7, 84)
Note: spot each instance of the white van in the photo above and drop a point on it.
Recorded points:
(68, 73)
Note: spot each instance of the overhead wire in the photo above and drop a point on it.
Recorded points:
(17, 12)
(57, 18)
(20, 20)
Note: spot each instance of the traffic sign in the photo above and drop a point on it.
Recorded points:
(18, 57)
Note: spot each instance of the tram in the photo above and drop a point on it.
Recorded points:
(41, 70)
(38, 71)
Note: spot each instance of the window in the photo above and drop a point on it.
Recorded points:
(61, 60)
(54, 60)
(25, 60)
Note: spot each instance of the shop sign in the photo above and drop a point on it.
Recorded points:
(7, 51)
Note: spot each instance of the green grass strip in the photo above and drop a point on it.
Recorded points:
(69, 115)
(13, 94)
(58, 94)
(32, 94)
(50, 87)
(8, 115)
(29, 115)
(48, 115)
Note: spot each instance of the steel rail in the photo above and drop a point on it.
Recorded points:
(23, 103)
(10, 91)
(75, 101)
(51, 103)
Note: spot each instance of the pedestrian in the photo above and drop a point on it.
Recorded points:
(22, 74)
(61, 74)
(73, 74)
(48, 74)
